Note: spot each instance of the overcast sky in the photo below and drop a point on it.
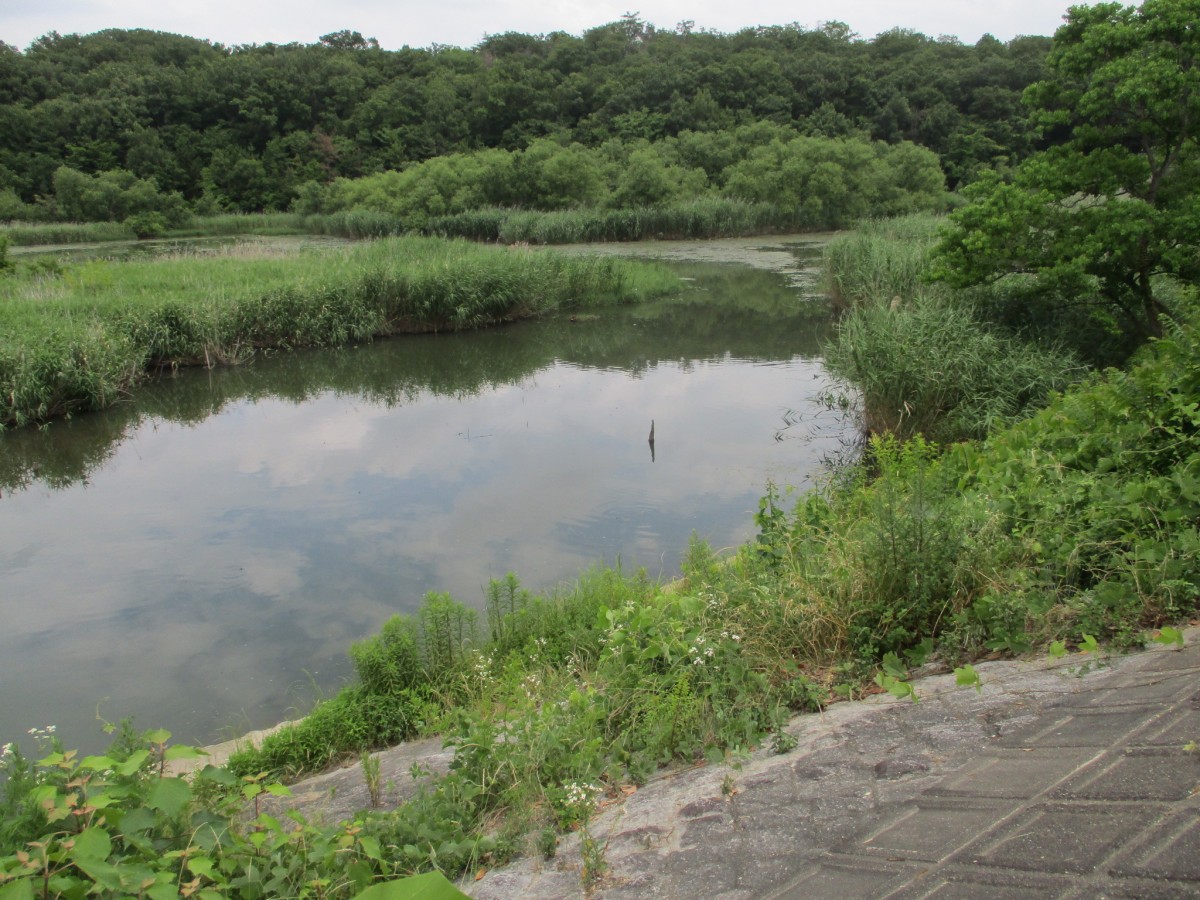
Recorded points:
(464, 23)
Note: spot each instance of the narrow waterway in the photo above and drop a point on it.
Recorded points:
(201, 557)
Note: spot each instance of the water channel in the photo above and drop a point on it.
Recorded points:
(201, 557)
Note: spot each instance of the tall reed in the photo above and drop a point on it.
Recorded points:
(78, 341)
(880, 260)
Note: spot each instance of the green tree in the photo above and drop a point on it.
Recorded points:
(1101, 215)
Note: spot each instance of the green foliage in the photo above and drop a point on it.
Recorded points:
(1098, 217)
(880, 260)
(117, 196)
(254, 128)
(551, 193)
(929, 367)
(118, 825)
(833, 182)
(82, 341)
(28, 234)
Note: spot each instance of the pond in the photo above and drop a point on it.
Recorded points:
(201, 557)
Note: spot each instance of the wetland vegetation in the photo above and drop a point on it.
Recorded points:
(80, 339)
(1028, 379)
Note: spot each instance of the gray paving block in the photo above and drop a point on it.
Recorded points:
(1147, 774)
(1080, 728)
(1171, 851)
(843, 880)
(1061, 838)
(1019, 775)
(1178, 729)
(945, 887)
(932, 830)
(1150, 687)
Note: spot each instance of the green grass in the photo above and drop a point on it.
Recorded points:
(929, 367)
(702, 218)
(241, 223)
(83, 339)
(29, 234)
(880, 260)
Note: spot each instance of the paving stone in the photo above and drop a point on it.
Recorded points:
(1040, 786)
(931, 830)
(1020, 775)
(946, 886)
(1079, 728)
(1179, 729)
(1172, 851)
(1136, 775)
(1061, 838)
(1149, 688)
(854, 879)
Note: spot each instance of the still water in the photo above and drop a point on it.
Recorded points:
(201, 557)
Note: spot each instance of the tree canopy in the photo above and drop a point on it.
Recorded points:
(242, 128)
(1114, 201)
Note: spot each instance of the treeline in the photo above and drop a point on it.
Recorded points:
(808, 182)
(246, 128)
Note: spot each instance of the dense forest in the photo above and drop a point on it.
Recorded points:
(185, 124)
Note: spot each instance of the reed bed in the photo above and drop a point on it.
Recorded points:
(82, 340)
(703, 218)
(880, 260)
(29, 234)
(242, 223)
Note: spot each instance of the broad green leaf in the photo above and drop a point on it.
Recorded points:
(966, 676)
(22, 889)
(92, 842)
(105, 874)
(1168, 636)
(184, 751)
(170, 796)
(131, 765)
(158, 736)
(430, 886)
(201, 865)
(370, 847)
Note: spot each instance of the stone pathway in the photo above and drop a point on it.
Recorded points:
(1068, 780)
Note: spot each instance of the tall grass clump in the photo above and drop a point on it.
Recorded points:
(78, 340)
(705, 217)
(226, 224)
(880, 260)
(931, 368)
(358, 224)
(30, 235)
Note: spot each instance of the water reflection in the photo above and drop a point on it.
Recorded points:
(202, 556)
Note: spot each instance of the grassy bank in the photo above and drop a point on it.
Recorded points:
(917, 359)
(80, 340)
(1076, 525)
(1081, 522)
(29, 234)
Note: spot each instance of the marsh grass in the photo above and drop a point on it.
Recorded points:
(880, 260)
(81, 340)
(709, 217)
(277, 223)
(931, 368)
(26, 234)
